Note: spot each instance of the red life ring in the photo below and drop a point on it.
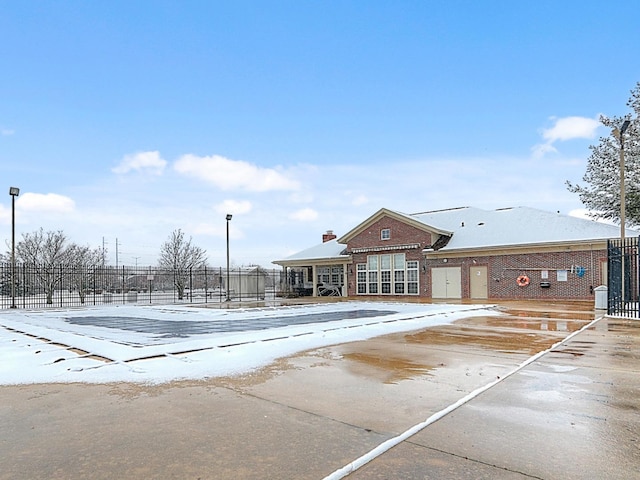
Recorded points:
(522, 281)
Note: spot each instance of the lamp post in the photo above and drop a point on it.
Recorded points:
(14, 192)
(227, 286)
(619, 133)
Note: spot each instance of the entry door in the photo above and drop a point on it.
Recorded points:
(478, 282)
(446, 282)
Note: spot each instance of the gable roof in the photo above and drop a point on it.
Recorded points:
(403, 217)
(474, 228)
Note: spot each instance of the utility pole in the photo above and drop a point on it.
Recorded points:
(619, 134)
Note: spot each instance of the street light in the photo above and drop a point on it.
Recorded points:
(227, 289)
(14, 192)
(619, 134)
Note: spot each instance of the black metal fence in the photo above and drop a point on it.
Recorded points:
(37, 286)
(623, 263)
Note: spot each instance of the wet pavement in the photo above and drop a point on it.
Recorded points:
(570, 414)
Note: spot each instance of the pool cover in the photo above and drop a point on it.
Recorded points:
(182, 328)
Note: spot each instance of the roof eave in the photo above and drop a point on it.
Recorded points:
(344, 239)
(522, 246)
(308, 261)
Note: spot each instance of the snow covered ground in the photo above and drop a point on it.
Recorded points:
(155, 344)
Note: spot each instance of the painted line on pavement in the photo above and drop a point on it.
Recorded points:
(392, 442)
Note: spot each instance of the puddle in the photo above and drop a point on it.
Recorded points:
(505, 342)
(571, 315)
(528, 323)
(391, 370)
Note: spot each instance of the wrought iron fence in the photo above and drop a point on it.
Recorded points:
(623, 263)
(37, 286)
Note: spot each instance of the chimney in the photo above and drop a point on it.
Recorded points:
(328, 236)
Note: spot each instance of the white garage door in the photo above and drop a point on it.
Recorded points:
(446, 282)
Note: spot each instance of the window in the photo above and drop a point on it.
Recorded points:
(385, 273)
(336, 275)
(373, 282)
(412, 277)
(323, 274)
(361, 279)
(385, 234)
(385, 278)
(398, 273)
(388, 275)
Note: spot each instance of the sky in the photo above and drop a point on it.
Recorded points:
(33, 343)
(123, 121)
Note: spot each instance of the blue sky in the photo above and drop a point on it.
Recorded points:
(126, 120)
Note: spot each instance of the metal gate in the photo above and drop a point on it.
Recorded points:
(623, 262)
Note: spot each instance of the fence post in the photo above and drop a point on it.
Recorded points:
(206, 285)
(60, 285)
(24, 283)
(239, 284)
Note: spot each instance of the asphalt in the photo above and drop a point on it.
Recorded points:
(570, 414)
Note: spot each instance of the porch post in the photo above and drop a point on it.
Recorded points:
(314, 280)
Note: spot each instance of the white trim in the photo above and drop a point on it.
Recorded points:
(386, 247)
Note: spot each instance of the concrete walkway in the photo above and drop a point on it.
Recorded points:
(573, 413)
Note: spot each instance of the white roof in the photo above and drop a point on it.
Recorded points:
(330, 249)
(477, 228)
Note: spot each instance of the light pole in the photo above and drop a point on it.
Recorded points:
(227, 287)
(14, 192)
(619, 133)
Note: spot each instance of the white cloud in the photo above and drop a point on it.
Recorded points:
(50, 203)
(234, 207)
(141, 161)
(304, 215)
(565, 128)
(229, 174)
(5, 132)
(568, 128)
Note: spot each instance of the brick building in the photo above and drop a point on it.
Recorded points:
(460, 253)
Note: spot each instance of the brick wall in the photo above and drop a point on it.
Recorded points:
(503, 270)
(401, 234)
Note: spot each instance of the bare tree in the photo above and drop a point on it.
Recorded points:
(45, 252)
(84, 263)
(180, 256)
